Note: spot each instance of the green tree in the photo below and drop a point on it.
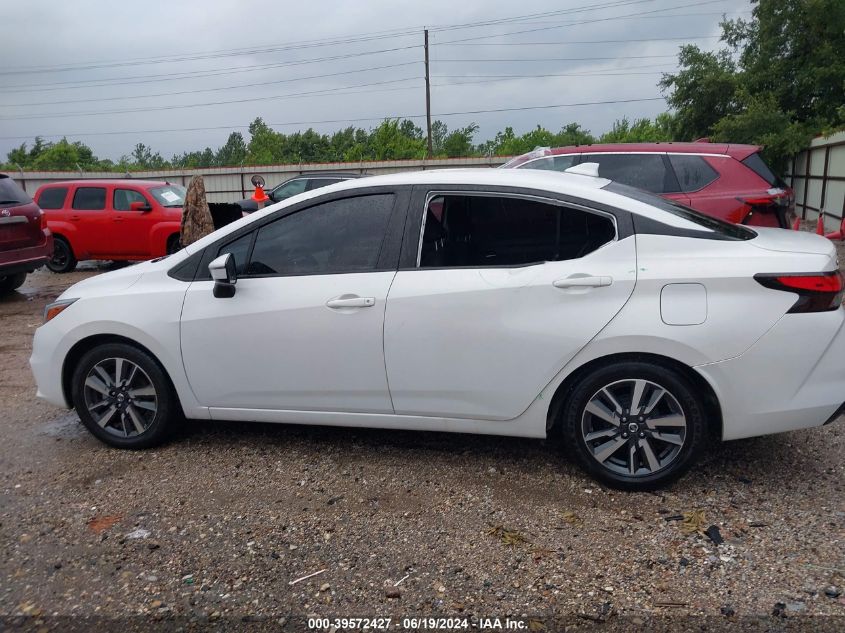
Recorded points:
(233, 152)
(780, 81)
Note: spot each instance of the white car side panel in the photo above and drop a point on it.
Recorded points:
(277, 345)
(792, 378)
(146, 312)
(482, 343)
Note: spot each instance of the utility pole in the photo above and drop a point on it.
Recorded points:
(427, 97)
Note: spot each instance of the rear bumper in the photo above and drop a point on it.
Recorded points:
(792, 378)
(25, 260)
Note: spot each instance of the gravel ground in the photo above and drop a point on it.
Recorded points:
(214, 527)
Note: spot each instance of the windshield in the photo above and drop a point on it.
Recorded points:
(11, 193)
(169, 195)
(725, 229)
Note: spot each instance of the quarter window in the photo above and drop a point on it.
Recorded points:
(693, 172)
(334, 237)
(52, 198)
(644, 171)
(123, 198)
(479, 231)
(89, 199)
(239, 249)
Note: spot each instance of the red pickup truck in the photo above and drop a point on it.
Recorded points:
(124, 219)
(25, 240)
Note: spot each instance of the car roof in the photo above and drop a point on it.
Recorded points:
(528, 179)
(326, 174)
(735, 150)
(136, 182)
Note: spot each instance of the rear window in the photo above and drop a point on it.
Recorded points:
(725, 230)
(52, 198)
(11, 193)
(756, 164)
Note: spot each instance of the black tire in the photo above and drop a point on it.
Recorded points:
(8, 283)
(651, 449)
(173, 244)
(119, 430)
(62, 260)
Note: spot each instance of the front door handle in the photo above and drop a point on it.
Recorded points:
(351, 302)
(583, 282)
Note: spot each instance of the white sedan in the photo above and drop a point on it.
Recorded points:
(518, 303)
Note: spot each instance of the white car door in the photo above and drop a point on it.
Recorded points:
(506, 290)
(304, 328)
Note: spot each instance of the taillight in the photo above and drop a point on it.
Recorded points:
(817, 292)
(43, 217)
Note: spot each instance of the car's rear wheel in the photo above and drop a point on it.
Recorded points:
(63, 260)
(634, 425)
(123, 397)
(8, 283)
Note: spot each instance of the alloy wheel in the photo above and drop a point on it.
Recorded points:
(634, 427)
(120, 397)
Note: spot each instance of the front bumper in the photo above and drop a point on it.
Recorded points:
(792, 378)
(46, 362)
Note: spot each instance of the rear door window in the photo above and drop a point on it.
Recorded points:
(693, 172)
(89, 199)
(52, 198)
(644, 171)
(484, 230)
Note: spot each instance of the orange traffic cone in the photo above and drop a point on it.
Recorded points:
(796, 225)
(820, 224)
(259, 196)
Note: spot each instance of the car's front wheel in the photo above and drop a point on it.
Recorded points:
(8, 283)
(634, 425)
(123, 397)
(63, 259)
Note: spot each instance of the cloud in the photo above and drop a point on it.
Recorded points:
(105, 50)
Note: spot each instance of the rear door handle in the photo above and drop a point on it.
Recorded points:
(351, 302)
(75, 218)
(583, 282)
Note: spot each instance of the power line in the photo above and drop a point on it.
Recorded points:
(568, 42)
(327, 121)
(553, 59)
(592, 21)
(198, 105)
(217, 89)
(305, 43)
(299, 62)
(586, 76)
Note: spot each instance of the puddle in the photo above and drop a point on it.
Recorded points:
(66, 426)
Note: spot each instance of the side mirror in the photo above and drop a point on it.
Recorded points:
(224, 274)
(139, 206)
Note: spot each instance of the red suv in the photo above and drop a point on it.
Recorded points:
(25, 240)
(730, 182)
(111, 219)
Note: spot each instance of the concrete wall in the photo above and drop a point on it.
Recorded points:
(228, 184)
(818, 177)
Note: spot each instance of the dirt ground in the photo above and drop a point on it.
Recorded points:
(215, 526)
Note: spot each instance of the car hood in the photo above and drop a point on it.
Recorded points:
(110, 282)
(787, 241)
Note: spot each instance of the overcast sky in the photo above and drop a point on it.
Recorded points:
(90, 67)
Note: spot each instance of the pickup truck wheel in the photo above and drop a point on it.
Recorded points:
(8, 283)
(62, 260)
(173, 244)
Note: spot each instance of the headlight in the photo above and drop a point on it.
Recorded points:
(55, 309)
